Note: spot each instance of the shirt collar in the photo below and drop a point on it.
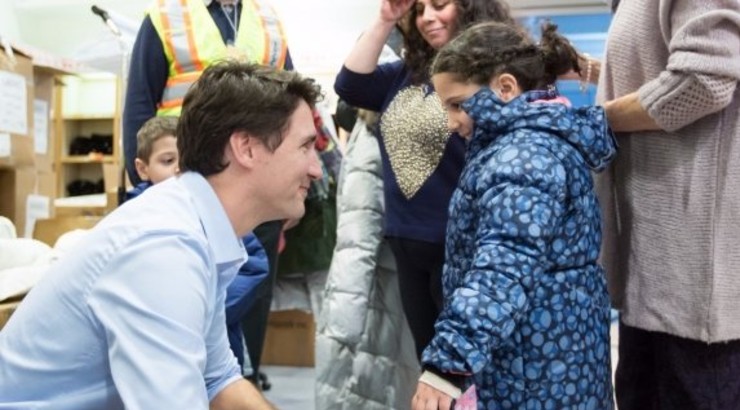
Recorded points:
(227, 248)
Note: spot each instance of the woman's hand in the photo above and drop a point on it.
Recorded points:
(392, 11)
(363, 59)
(429, 398)
(582, 66)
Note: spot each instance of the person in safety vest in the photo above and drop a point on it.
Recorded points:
(177, 40)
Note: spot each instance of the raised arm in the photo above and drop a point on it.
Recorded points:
(364, 56)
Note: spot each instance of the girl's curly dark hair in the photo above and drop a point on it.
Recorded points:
(419, 54)
(488, 49)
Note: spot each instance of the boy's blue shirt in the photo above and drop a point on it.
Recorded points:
(526, 313)
(137, 190)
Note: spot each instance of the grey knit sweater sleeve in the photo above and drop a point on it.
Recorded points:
(704, 63)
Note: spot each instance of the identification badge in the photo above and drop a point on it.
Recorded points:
(234, 53)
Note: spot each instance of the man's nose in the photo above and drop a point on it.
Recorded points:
(315, 170)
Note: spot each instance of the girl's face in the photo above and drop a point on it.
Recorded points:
(436, 21)
(453, 92)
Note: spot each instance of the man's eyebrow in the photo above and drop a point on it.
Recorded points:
(311, 137)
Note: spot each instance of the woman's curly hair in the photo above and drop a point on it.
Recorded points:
(419, 54)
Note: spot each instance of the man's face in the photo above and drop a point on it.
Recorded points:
(286, 174)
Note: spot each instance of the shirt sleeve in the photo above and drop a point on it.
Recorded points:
(222, 367)
(368, 91)
(703, 66)
(517, 218)
(156, 308)
(146, 82)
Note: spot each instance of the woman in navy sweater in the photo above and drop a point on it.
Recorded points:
(421, 161)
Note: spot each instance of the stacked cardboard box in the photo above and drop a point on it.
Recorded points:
(7, 307)
(26, 143)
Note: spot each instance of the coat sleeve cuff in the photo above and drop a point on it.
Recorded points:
(440, 382)
(675, 100)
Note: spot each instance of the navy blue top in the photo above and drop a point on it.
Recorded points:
(423, 217)
(148, 76)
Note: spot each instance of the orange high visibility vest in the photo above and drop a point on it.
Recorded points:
(192, 42)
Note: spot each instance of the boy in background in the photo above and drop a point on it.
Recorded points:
(156, 160)
(156, 154)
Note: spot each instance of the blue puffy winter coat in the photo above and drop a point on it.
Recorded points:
(526, 313)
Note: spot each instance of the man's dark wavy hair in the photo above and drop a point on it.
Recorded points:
(230, 97)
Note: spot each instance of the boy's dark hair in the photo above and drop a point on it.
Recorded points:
(419, 54)
(489, 49)
(152, 130)
(231, 96)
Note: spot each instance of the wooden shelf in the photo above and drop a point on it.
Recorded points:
(87, 106)
(86, 159)
(91, 117)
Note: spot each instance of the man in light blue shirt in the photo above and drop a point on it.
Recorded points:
(133, 317)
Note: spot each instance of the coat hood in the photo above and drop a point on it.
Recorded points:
(584, 128)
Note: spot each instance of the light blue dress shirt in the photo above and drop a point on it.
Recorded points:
(133, 317)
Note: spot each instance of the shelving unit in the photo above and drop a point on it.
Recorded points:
(90, 105)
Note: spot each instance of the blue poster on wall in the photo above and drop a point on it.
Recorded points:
(587, 32)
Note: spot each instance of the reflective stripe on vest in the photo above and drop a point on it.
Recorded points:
(192, 41)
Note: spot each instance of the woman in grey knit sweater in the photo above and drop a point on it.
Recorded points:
(671, 201)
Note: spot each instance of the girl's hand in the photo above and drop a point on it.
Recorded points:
(429, 398)
(392, 11)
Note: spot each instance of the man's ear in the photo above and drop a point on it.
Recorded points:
(141, 169)
(506, 86)
(244, 148)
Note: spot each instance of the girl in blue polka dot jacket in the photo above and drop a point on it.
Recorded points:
(526, 312)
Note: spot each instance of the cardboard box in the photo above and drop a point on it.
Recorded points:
(49, 230)
(46, 185)
(6, 310)
(290, 339)
(16, 96)
(43, 132)
(15, 187)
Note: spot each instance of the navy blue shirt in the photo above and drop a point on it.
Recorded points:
(147, 79)
(423, 216)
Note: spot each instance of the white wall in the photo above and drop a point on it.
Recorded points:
(63, 26)
(321, 34)
(8, 21)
